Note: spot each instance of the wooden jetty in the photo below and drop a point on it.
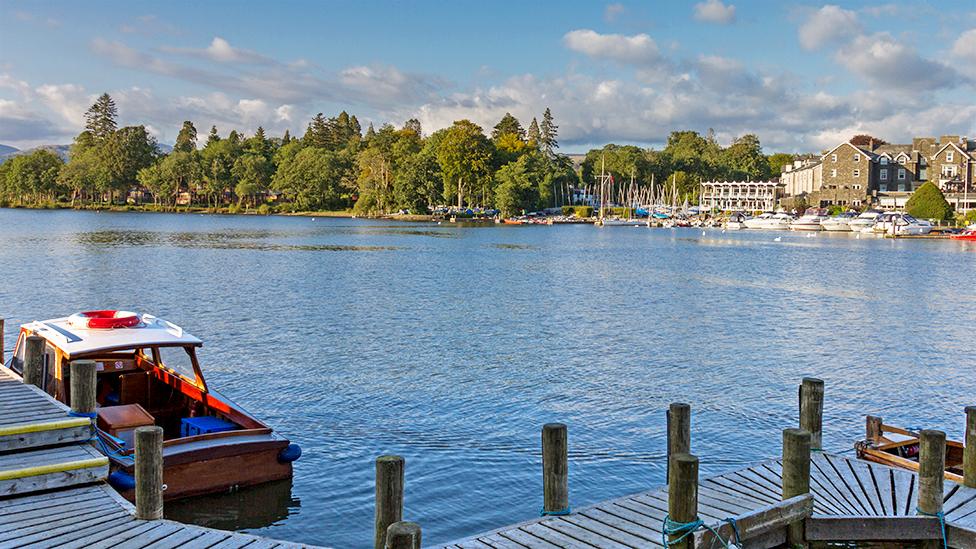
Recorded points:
(53, 490)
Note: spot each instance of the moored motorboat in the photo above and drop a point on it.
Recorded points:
(736, 221)
(148, 374)
(769, 220)
(900, 223)
(838, 223)
(968, 234)
(864, 223)
(810, 220)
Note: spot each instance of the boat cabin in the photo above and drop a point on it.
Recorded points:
(148, 374)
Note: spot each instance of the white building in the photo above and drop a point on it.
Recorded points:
(802, 177)
(740, 196)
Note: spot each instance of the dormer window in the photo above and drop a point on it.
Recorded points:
(884, 160)
(948, 156)
(857, 157)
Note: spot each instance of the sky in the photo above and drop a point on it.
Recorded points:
(803, 76)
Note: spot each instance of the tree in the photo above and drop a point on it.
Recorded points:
(548, 133)
(415, 185)
(100, 119)
(465, 160)
(312, 177)
(253, 173)
(534, 135)
(285, 139)
(186, 140)
(34, 174)
(127, 151)
(518, 186)
(508, 126)
(777, 161)
(744, 159)
(928, 202)
(213, 137)
(413, 125)
(865, 140)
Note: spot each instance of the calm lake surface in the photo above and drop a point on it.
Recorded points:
(452, 345)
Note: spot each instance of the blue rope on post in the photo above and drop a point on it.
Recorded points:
(941, 516)
(559, 513)
(97, 439)
(673, 528)
(735, 530)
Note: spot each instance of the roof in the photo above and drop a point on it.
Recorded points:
(75, 340)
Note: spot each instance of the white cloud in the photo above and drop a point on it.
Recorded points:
(714, 11)
(888, 63)
(221, 51)
(965, 46)
(828, 25)
(68, 100)
(613, 11)
(638, 50)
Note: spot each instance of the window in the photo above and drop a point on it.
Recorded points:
(857, 173)
(901, 174)
(949, 170)
(833, 173)
(833, 158)
(178, 360)
(857, 157)
(884, 174)
(884, 160)
(948, 156)
(856, 187)
(902, 160)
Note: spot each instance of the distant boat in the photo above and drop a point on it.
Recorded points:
(899, 223)
(838, 223)
(736, 222)
(810, 220)
(769, 221)
(864, 223)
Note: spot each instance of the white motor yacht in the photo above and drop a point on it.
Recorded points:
(769, 221)
(900, 223)
(736, 221)
(810, 220)
(838, 223)
(864, 223)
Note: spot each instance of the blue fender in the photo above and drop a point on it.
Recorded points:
(290, 453)
(122, 481)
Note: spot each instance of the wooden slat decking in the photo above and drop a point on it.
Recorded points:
(841, 487)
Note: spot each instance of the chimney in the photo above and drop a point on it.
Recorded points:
(871, 144)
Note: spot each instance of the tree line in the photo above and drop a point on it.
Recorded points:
(337, 165)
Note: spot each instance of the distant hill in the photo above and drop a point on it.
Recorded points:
(6, 151)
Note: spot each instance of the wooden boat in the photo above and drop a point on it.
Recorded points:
(898, 447)
(510, 221)
(148, 374)
(968, 234)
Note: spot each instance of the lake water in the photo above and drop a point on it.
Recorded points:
(452, 345)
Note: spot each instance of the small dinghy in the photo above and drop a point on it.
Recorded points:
(148, 374)
(898, 447)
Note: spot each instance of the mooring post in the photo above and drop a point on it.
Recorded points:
(389, 496)
(149, 472)
(82, 384)
(872, 429)
(555, 469)
(34, 361)
(969, 452)
(811, 410)
(679, 432)
(796, 475)
(403, 535)
(682, 499)
(931, 476)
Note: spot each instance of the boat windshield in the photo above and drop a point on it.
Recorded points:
(178, 359)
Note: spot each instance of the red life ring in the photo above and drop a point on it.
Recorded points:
(105, 320)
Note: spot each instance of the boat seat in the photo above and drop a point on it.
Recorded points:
(134, 388)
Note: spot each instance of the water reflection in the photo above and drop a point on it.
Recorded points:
(224, 240)
(250, 508)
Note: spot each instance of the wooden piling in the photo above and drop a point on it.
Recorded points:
(683, 496)
(679, 432)
(555, 468)
(931, 471)
(34, 361)
(389, 496)
(969, 452)
(811, 410)
(796, 475)
(872, 429)
(82, 383)
(149, 472)
(403, 535)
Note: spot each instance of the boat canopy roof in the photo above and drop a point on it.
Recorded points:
(75, 339)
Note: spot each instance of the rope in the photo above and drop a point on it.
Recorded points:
(559, 513)
(97, 439)
(941, 516)
(674, 528)
(735, 530)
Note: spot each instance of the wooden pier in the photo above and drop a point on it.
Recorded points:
(53, 490)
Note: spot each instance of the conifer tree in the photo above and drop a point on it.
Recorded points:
(549, 132)
(100, 120)
(213, 137)
(534, 135)
(285, 139)
(186, 140)
(508, 125)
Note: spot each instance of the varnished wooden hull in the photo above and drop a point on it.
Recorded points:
(218, 469)
(903, 453)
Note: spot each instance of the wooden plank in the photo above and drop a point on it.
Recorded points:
(522, 537)
(208, 539)
(858, 528)
(553, 536)
(20, 503)
(180, 538)
(659, 500)
(23, 520)
(881, 476)
(761, 521)
(44, 438)
(496, 541)
(236, 541)
(472, 544)
(582, 534)
(865, 482)
(34, 418)
(826, 498)
(848, 485)
(834, 484)
(109, 536)
(86, 475)
(960, 537)
(734, 489)
(652, 537)
(607, 530)
(166, 530)
(68, 529)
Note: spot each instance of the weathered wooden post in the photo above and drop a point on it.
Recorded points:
(811, 410)
(403, 535)
(969, 452)
(796, 475)
(149, 472)
(931, 476)
(34, 361)
(389, 496)
(682, 500)
(679, 433)
(82, 383)
(872, 429)
(555, 469)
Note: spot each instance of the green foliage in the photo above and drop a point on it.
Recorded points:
(584, 211)
(508, 126)
(518, 186)
(777, 161)
(465, 156)
(186, 140)
(744, 160)
(548, 132)
(928, 202)
(33, 175)
(101, 116)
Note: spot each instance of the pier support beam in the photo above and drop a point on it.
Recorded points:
(811, 410)
(679, 432)
(872, 429)
(931, 476)
(796, 476)
(683, 496)
(389, 497)
(34, 361)
(149, 472)
(555, 468)
(403, 535)
(969, 452)
(82, 385)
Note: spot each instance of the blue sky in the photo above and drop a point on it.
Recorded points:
(802, 75)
